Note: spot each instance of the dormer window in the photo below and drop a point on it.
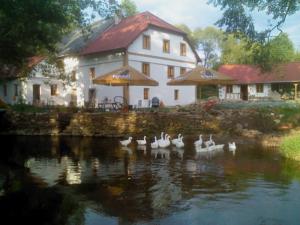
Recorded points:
(166, 46)
(146, 42)
(182, 49)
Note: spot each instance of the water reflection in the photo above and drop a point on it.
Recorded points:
(101, 181)
(161, 152)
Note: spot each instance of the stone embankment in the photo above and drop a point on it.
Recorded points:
(247, 123)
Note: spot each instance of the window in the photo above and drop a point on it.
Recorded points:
(73, 76)
(176, 94)
(146, 93)
(92, 73)
(259, 88)
(53, 88)
(146, 69)
(16, 90)
(182, 49)
(166, 46)
(4, 90)
(229, 89)
(146, 42)
(182, 70)
(170, 72)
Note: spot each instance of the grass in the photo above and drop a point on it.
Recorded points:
(290, 146)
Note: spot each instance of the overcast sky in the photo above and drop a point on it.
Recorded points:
(197, 13)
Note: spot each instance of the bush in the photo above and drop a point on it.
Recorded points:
(290, 146)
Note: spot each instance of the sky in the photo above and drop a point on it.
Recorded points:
(197, 13)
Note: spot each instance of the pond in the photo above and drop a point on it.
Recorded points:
(89, 181)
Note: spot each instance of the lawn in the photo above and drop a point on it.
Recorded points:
(290, 146)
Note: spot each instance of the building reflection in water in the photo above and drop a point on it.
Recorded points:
(124, 184)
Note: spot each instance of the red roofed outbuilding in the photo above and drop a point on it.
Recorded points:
(252, 82)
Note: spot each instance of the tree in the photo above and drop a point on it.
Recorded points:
(237, 18)
(128, 8)
(235, 51)
(209, 40)
(190, 34)
(278, 50)
(34, 27)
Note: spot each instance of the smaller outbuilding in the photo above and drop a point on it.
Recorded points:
(251, 83)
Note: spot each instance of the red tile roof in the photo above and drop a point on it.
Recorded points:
(247, 74)
(120, 36)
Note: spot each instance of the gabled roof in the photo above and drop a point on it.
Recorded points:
(120, 36)
(13, 72)
(247, 74)
(76, 41)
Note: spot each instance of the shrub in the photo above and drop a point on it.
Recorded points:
(290, 146)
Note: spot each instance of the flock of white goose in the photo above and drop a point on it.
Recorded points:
(164, 142)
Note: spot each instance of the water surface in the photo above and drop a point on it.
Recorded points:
(89, 181)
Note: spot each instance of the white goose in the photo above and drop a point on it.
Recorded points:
(199, 141)
(155, 143)
(231, 146)
(180, 143)
(126, 142)
(209, 142)
(142, 142)
(175, 140)
(161, 140)
(165, 143)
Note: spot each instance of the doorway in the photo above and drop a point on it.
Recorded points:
(92, 97)
(73, 99)
(244, 92)
(36, 94)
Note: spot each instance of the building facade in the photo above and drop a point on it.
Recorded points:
(144, 42)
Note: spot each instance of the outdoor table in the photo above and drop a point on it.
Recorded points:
(107, 106)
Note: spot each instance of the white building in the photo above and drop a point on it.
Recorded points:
(143, 41)
(252, 84)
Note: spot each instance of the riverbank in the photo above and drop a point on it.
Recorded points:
(270, 126)
(248, 123)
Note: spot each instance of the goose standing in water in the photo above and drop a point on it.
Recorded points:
(155, 143)
(165, 143)
(126, 142)
(161, 140)
(142, 142)
(175, 140)
(180, 143)
(199, 141)
(209, 142)
(231, 146)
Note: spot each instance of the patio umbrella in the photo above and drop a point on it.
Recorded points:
(125, 76)
(201, 76)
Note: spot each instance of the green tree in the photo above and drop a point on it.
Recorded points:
(238, 20)
(190, 34)
(209, 40)
(128, 8)
(34, 27)
(297, 56)
(235, 51)
(237, 17)
(278, 50)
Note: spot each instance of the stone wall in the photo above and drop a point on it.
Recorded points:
(135, 123)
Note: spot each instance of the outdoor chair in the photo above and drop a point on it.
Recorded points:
(155, 102)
